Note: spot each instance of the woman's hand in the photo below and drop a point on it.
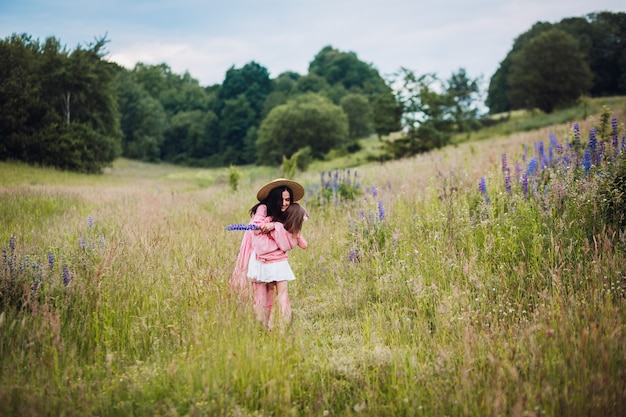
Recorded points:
(267, 227)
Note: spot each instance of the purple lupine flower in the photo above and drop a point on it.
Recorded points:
(51, 260)
(525, 183)
(374, 191)
(81, 242)
(242, 226)
(353, 257)
(504, 166)
(482, 186)
(532, 166)
(507, 179)
(576, 133)
(381, 210)
(614, 126)
(89, 222)
(587, 160)
(593, 142)
(12, 243)
(67, 276)
(553, 140)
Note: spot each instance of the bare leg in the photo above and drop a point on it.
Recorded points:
(284, 306)
(260, 302)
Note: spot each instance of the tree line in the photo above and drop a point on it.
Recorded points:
(75, 110)
(552, 64)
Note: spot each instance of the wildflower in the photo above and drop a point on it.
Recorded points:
(89, 222)
(593, 142)
(51, 259)
(541, 153)
(241, 226)
(381, 210)
(576, 134)
(587, 160)
(81, 242)
(504, 166)
(353, 256)
(482, 186)
(525, 183)
(532, 166)
(614, 126)
(507, 179)
(66, 275)
(374, 191)
(12, 243)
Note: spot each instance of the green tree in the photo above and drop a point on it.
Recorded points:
(311, 83)
(549, 72)
(427, 114)
(498, 92)
(308, 120)
(357, 108)
(142, 119)
(236, 118)
(387, 114)
(51, 99)
(345, 68)
(465, 94)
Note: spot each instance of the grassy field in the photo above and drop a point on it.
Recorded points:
(425, 295)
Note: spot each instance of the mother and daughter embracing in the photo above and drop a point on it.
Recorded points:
(262, 267)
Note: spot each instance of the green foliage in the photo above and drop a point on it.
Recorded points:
(466, 95)
(427, 114)
(308, 120)
(288, 167)
(345, 68)
(600, 42)
(357, 108)
(234, 175)
(549, 72)
(58, 106)
(387, 114)
(612, 195)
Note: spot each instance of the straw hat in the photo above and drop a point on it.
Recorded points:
(296, 189)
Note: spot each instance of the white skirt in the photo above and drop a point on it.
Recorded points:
(269, 272)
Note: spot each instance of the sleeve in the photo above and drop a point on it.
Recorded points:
(285, 240)
(301, 241)
(262, 243)
(260, 215)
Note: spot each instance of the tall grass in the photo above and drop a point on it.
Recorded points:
(455, 305)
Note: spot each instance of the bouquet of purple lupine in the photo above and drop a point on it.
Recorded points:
(241, 226)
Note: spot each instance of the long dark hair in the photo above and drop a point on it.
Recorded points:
(274, 203)
(294, 217)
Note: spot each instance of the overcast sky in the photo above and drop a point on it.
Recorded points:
(207, 37)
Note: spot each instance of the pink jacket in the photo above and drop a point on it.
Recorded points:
(273, 246)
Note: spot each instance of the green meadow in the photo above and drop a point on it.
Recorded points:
(421, 292)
